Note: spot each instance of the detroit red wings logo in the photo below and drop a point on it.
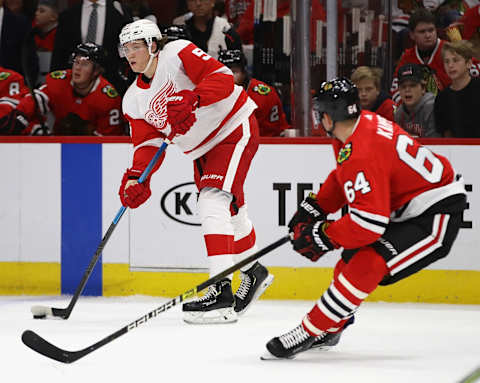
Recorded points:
(157, 110)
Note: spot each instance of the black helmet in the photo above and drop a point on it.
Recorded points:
(176, 32)
(93, 52)
(338, 98)
(233, 57)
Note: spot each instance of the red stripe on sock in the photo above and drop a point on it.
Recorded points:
(245, 243)
(218, 244)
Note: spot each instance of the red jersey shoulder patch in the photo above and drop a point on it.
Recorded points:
(110, 91)
(4, 75)
(59, 75)
(262, 89)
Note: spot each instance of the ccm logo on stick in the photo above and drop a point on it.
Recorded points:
(179, 203)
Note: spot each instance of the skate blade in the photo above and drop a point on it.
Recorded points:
(227, 315)
(268, 356)
(267, 282)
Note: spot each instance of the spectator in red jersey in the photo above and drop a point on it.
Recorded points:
(270, 115)
(426, 51)
(82, 101)
(372, 97)
(456, 108)
(415, 114)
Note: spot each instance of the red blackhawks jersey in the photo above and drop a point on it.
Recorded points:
(182, 65)
(12, 89)
(270, 115)
(101, 107)
(439, 79)
(383, 175)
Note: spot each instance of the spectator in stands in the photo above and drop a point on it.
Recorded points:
(83, 102)
(209, 32)
(97, 21)
(270, 115)
(372, 97)
(14, 29)
(426, 51)
(235, 9)
(41, 40)
(457, 107)
(140, 9)
(415, 114)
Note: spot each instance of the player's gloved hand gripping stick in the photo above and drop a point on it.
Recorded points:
(41, 312)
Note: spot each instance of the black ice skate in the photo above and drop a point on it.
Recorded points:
(253, 283)
(328, 339)
(216, 306)
(286, 346)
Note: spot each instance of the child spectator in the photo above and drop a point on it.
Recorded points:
(372, 97)
(269, 114)
(44, 30)
(426, 51)
(415, 114)
(456, 108)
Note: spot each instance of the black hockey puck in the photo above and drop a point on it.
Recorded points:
(39, 316)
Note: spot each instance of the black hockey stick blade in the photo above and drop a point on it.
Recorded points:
(40, 345)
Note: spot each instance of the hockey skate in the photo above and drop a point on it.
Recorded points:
(253, 283)
(216, 306)
(288, 345)
(327, 340)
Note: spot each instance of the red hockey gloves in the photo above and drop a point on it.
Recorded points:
(180, 111)
(308, 212)
(311, 241)
(132, 194)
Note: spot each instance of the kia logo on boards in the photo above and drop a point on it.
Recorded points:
(179, 202)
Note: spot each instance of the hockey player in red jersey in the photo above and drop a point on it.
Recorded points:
(182, 92)
(405, 210)
(82, 101)
(12, 89)
(270, 115)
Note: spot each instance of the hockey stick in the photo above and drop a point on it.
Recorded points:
(41, 312)
(40, 345)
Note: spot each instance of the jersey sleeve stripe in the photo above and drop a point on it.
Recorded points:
(42, 100)
(9, 101)
(375, 217)
(378, 228)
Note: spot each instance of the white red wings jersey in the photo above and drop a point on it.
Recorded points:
(12, 89)
(270, 115)
(182, 65)
(383, 175)
(101, 107)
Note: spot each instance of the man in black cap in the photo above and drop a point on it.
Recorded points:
(415, 113)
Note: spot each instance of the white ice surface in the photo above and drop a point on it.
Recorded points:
(388, 343)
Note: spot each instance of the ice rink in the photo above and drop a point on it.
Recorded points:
(388, 343)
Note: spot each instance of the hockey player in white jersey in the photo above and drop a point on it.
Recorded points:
(182, 92)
